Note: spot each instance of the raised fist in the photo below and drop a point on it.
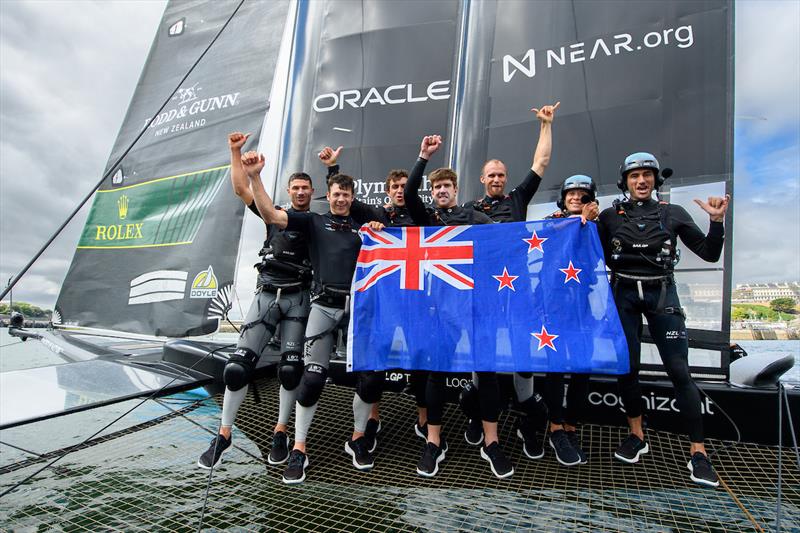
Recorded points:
(237, 139)
(329, 156)
(429, 145)
(546, 113)
(253, 163)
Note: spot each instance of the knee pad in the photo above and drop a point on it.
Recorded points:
(470, 402)
(311, 385)
(240, 368)
(535, 408)
(370, 386)
(290, 370)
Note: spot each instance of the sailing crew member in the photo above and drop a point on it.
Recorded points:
(577, 198)
(447, 212)
(513, 207)
(639, 237)
(366, 416)
(281, 300)
(334, 244)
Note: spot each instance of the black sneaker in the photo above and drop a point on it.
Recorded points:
(474, 433)
(531, 442)
(501, 466)
(296, 468)
(421, 431)
(432, 455)
(701, 470)
(371, 433)
(565, 453)
(357, 449)
(279, 451)
(212, 457)
(576, 443)
(630, 449)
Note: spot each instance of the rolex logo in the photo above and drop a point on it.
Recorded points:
(122, 206)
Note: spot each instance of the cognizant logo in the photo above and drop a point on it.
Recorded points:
(653, 402)
(682, 37)
(391, 95)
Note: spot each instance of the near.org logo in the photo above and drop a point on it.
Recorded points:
(682, 37)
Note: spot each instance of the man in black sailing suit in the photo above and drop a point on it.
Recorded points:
(370, 384)
(639, 238)
(334, 244)
(281, 300)
(513, 207)
(447, 212)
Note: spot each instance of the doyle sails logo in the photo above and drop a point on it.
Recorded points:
(391, 95)
(204, 285)
(189, 105)
(682, 37)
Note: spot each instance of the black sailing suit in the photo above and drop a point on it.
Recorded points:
(639, 239)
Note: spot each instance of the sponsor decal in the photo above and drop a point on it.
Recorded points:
(115, 232)
(623, 43)
(189, 105)
(204, 284)
(177, 28)
(157, 286)
(222, 303)
(164, 211)
(392, 95)
(374, 192)
(653, 402)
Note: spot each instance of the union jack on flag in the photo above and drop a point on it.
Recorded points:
(414, 252)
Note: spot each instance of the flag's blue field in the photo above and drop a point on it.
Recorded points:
(523, 296)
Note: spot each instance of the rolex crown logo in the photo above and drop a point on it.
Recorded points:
(122, 206)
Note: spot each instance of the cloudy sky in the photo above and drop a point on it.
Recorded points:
(68, 70)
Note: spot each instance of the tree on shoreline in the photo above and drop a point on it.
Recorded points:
(783, 305)
(29, 310)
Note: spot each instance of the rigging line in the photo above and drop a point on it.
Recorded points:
(100, 440)
(10, 344)
(780, 461)
(113, 167)
(22, 449)
(791, 424)
(741, 506)
(78, 446)
(735, 427)
(182, 413)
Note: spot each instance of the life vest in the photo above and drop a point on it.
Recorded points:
(643, 241)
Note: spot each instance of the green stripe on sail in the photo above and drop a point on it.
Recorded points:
(161, 212)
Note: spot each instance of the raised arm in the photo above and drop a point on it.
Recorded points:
(361, 212)
(416, 207)
(253, 163)
(239, 181)
(541, 157)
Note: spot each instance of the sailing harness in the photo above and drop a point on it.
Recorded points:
(647, 240)
(331, 296)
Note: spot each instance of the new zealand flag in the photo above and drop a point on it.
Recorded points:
(522, 296)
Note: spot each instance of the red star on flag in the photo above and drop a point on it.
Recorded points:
(506, 280)
(571, 272)
(545, 339)
(535, 242)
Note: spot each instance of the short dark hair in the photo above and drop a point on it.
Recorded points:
(483, 167)
(394, 175)
(344, 182)
(442, 174)
(301, 176)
